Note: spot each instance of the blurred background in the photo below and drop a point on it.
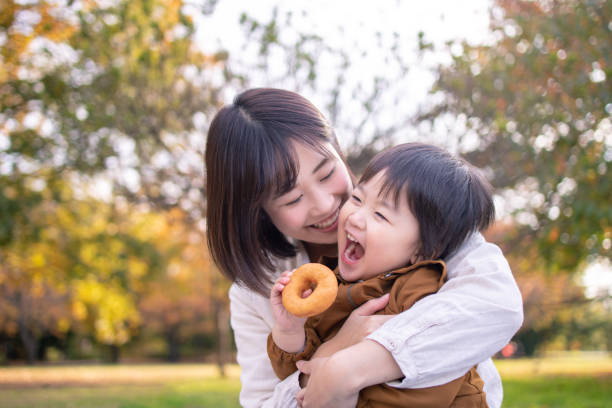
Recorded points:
(105, 106)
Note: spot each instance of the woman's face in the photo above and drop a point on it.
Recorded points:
(309, 212)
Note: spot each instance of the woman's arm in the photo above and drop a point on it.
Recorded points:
(361, 323)
(251, 319)
(442, 336)
(335, 381)
(472, 317)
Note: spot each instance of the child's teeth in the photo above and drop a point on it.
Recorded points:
(350, 237)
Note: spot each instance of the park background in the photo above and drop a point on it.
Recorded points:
(104, 109)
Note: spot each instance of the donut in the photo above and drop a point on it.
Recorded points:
(313, 276)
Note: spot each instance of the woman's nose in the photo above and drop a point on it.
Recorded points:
(324, 201)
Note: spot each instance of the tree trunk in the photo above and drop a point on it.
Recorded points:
(173, 343)
(29, 342)
(114, 353)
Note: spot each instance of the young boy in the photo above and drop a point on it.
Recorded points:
(414, 206)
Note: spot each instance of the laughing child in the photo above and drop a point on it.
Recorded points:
(413, 207)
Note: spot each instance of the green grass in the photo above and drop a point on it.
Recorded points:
(211, 393)
(119, 386)
(558, 392)
(567, 381)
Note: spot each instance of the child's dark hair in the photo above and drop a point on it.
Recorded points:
(250, 157)
(449, 197)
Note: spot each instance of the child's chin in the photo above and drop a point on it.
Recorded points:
(347, 274)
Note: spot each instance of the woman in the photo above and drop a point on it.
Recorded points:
(275, 184)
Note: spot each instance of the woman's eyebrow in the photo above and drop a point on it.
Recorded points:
(321, 164)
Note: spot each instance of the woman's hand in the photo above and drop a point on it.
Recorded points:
(360, 324)
(336, 381)
(328, 376)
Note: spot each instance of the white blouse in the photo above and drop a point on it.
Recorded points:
(473, 316)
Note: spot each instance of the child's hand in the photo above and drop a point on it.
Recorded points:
(288, 331)
(284, 321)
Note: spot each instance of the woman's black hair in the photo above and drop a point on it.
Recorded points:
(249, 158)
(449, 197)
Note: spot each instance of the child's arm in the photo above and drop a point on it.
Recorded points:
(292, 338)
(288, 331)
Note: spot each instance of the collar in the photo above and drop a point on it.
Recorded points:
(397, 272)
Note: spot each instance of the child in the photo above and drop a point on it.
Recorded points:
(414, 206)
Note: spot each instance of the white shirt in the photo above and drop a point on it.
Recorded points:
(473, 315)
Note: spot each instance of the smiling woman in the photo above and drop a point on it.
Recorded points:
(260, 193)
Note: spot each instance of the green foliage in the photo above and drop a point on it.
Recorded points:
(539, 98)
(104, 89)
(96, 92)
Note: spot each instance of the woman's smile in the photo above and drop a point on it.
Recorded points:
(328, 224)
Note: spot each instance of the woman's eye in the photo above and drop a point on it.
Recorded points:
(294, 201)
(328, 175)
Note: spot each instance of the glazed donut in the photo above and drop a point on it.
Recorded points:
(313, 276)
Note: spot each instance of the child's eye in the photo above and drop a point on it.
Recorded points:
(355, 198)
(329, 174)
(379, 215)
(294, 201)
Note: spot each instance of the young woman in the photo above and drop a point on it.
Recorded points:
(275, 185)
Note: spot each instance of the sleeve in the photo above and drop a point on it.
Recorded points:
(409, 288)
(473, 315)
(261, 388)
(283, 363)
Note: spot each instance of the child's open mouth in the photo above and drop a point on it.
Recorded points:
(354, 251)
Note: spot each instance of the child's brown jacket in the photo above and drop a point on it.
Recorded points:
(406, 286)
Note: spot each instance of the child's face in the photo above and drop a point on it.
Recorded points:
(373, 235)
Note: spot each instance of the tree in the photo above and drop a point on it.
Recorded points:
(557, 314)
(110, 89)
(537, 98)
(177, 303)
(30, 306)
(358, 106)
(92, 92)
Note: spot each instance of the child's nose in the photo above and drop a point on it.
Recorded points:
(357, 219)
